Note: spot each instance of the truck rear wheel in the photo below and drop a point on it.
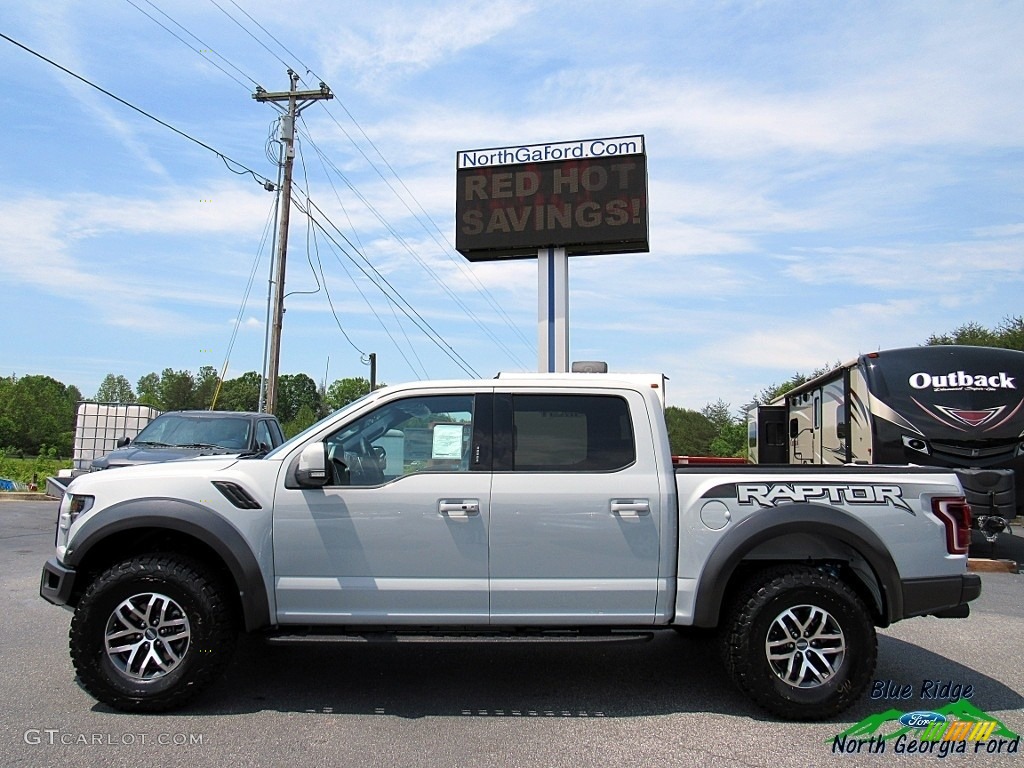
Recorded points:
(151, 632)
(800, 643)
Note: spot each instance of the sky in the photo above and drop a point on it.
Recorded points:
(825, 179)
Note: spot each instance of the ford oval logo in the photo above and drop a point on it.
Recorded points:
(921, 719)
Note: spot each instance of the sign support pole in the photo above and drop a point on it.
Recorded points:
(552, 310)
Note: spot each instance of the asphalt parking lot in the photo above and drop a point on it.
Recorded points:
(660, 701)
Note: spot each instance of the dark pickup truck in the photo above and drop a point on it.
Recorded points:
(182, 434)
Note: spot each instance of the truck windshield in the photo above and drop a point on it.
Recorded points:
(183, 430)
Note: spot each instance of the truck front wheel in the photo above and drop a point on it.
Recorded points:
(151, 632)
(800, 643)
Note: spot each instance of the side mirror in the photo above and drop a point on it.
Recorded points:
(842, 430)
(794, 429)
(311, 471)
(124, 442)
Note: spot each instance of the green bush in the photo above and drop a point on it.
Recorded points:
(22, 470)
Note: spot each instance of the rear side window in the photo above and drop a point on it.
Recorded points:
(566, 433)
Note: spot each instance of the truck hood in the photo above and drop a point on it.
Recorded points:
(131, 455)
(152, 473)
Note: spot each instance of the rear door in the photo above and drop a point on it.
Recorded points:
(575, 510)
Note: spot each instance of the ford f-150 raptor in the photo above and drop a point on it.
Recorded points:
(522, 504)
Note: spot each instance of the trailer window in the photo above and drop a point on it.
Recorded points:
(842, 430)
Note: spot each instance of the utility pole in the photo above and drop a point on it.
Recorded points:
(296, 102)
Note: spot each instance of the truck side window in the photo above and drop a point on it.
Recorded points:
(263, 437)
(566, 433)
(417, 434)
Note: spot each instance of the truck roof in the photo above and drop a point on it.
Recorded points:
(655, 381)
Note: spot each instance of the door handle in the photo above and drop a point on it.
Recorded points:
(630, 509)
(458, 509)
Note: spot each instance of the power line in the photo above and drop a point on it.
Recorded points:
(369, 304)
(272, 37)
(463, 268)
(398, 300)
(446, 246)
(245, 300)
(310, 231)
(206, 46)
(321, 281)
(395, 296)
(441, 283)
(250, 34)
(228, 161)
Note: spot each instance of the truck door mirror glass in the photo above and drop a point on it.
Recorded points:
(842, 430)
(311, 471)
(794, 429)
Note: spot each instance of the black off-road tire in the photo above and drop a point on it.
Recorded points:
(800, 643)
(151, 632)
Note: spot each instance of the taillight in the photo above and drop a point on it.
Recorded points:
(955, 514)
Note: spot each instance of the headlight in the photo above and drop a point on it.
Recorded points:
(73, 505)
(916, 444)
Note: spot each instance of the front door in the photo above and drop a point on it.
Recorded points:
(399, 536)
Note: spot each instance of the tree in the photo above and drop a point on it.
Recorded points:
(204, 387)
(731, 431)
(148, 388)
(969, 333)
(719, 413)
(305, 417)
(176, 389)
(344, 391)
(689, 432)
(240, 394)
(38, 411)
(7, 429)
(731, 440)
(295, 390)
(1009, 334)
(115, 389)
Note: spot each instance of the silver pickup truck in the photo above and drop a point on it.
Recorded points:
(525, 504)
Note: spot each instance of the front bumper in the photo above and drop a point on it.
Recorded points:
(946, 596)
(57, 582)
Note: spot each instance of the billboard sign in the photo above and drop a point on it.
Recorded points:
(587, 196)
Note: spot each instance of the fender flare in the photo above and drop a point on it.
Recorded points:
(775, 522)
(194, 520)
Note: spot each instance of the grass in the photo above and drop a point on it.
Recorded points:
(22, 470)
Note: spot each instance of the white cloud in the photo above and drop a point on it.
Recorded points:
(964, 267)
(249, 323)
(389, 40)
(61, 42)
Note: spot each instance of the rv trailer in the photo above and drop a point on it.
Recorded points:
(948, 406)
